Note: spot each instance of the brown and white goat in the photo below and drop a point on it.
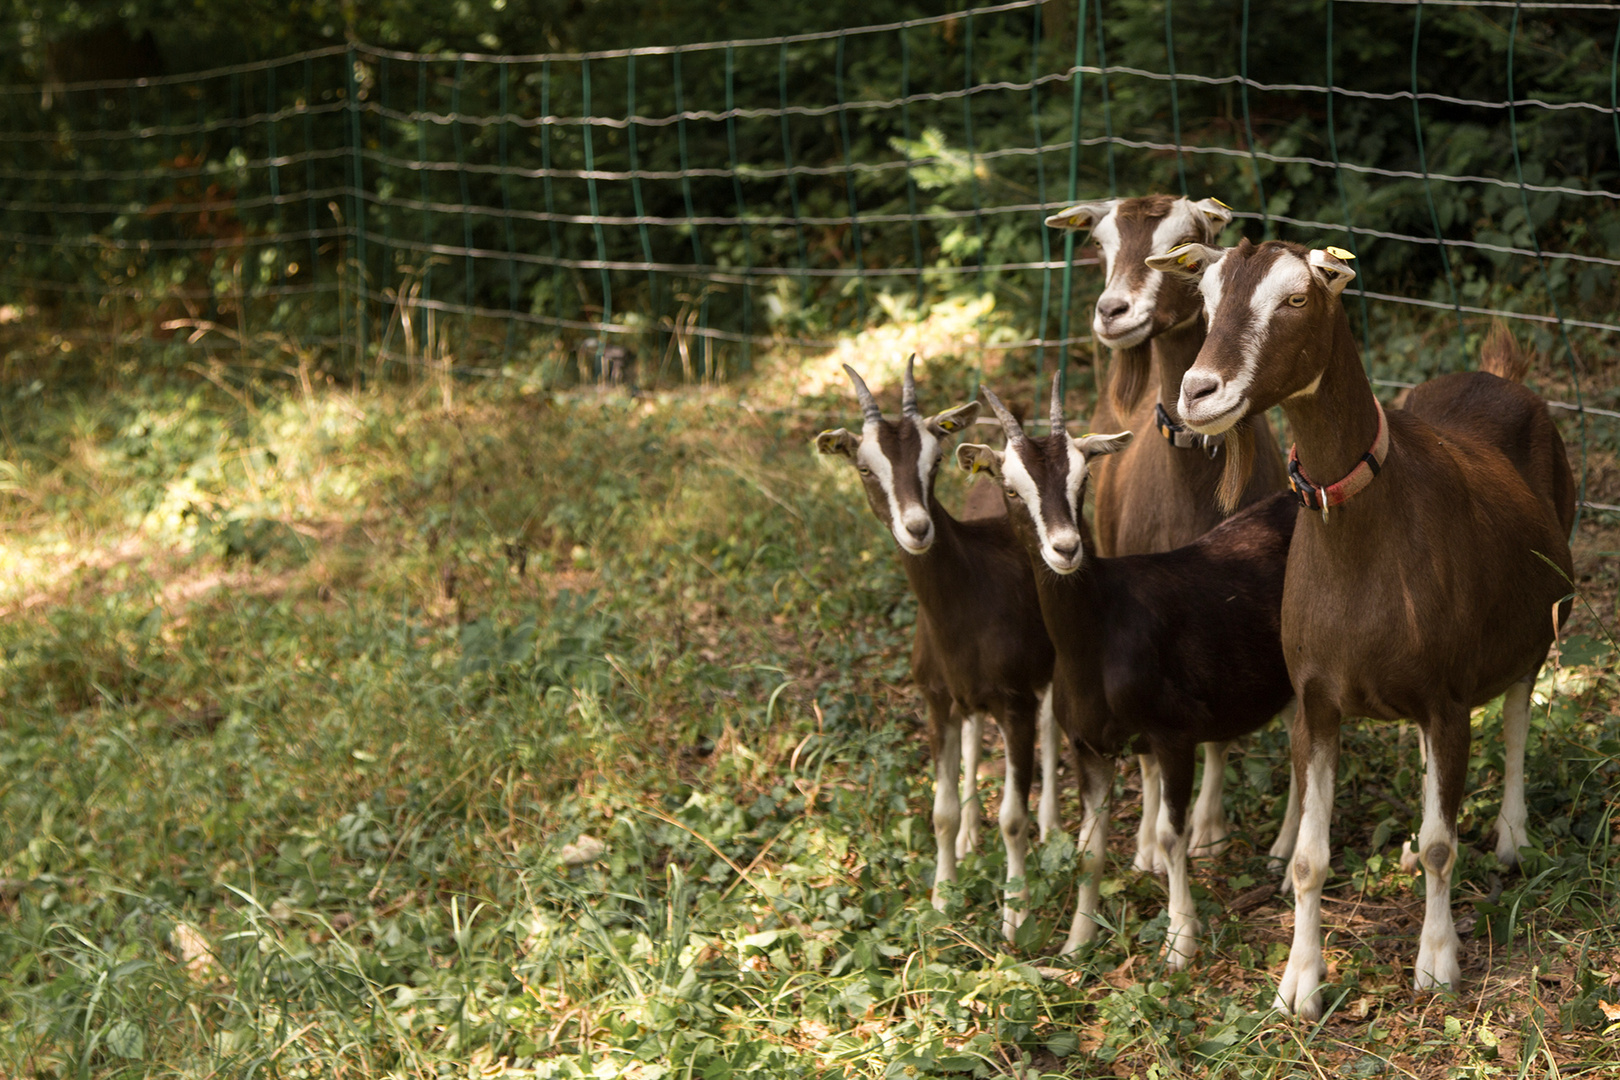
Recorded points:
(980, 647)
(1160, 491)
(1418, 584)
(1169, 650)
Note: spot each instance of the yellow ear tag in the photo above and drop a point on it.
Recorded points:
(1340, 254)
(1218, 202)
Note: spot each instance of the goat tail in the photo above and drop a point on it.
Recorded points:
(1130, 377)
(1501, 354)
(1239, 450)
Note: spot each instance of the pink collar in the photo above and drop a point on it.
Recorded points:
(1314, 496)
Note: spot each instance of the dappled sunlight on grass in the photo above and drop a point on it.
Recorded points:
(569, 735)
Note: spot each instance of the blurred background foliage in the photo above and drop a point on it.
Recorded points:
(131, 207)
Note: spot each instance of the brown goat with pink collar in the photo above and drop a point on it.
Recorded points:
(1426, 575)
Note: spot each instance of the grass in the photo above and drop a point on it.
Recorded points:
(563, 735)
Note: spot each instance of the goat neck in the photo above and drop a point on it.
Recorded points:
(1173, 353)
(1335, 424)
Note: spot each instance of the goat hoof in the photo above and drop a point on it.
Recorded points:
(1011, 920)
(1438, 966)
(1211, 843)
(1508, 842)
(1148, 861)
(1300, 992)
(1180, 949)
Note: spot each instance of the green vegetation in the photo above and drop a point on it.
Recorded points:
(317, 702)
(310, 198)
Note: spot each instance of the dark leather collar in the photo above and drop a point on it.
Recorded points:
(1184, 438)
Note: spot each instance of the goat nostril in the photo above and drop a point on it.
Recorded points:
(1198, 387)
(1113, 308)
(1065, 548)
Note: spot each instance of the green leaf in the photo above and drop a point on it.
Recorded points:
(125, 1039)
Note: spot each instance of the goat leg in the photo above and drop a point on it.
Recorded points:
(1018, 732)
(1438, 965)
(1512, 831)
(967, 836)
(1315, 738)
(1096, 776)
(1210, 829)
(1050, 740)
(1181, 940)
(1147, 841)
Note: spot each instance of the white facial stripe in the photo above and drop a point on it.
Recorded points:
(1017, 477)
(1287, 276)
(1177, 226)
(1106, 236)
(871, 455)
(925, 457)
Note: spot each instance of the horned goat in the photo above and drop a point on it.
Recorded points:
(1166, 650)
(980, 647)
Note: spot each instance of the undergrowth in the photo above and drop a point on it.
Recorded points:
(562, 736)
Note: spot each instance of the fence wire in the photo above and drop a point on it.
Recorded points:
(708, 199)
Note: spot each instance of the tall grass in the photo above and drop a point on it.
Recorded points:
(316, 706)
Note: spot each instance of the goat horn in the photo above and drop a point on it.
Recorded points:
(1009, 423)
(869, 405)
(908, 390)
(1057, 404)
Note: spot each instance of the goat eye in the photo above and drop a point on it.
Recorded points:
(1297, 300)
(863, 470)
(1011, 494)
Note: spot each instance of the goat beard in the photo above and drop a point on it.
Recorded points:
(1239, 449)
(1130, 377)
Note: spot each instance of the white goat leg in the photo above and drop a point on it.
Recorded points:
(1147, 843)
(947, 807)
(1512, 831)
(1181, 942)
(1210, 829)
(1438, 964)
(1015, 835)
(1282, 849)
(1410, 860)
(1047, 731)
(1300, 990)
(1096, 790)
(967, 836)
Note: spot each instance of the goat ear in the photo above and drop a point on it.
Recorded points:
(953, 420)
(1188, 261)
(1331, 267)
(1213, 216)
(975, 458)
(837, 441)
(1091, 446)
(1082, 215)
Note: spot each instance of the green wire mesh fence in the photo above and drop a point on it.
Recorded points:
(701, 201)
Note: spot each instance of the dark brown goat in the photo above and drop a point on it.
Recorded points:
(1160, 492)
(1418, 584)
(980, 647)
(1169, 650)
